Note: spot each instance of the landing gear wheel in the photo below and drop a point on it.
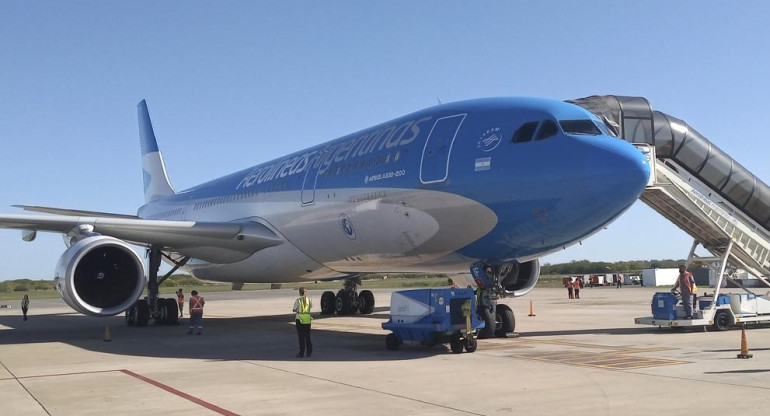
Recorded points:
(343, 303)
(172, 311)
(366, 302)
(722, 321)
(130, 315)
(456, 343)
(327, 303)
(392, 342)
(470, 343)
(489, 323)
(505, 321)
(141, 312)
(162, 317)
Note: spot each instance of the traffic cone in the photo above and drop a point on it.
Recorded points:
(107, 337)
(531, 308)
(744, 344)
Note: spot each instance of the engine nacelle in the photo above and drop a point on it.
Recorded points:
(100, 276)
(521, 279)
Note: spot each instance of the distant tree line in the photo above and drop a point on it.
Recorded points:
(27, 285)
(599, 267)
(573, 268)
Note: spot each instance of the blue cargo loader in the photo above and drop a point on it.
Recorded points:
(433, 316)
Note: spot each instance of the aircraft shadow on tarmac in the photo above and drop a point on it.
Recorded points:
(593, 331)
(271, 337)
(732, 350)
(765, 370)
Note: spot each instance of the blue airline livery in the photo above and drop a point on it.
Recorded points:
(485, 186)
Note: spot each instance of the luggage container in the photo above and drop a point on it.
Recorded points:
(664, 305)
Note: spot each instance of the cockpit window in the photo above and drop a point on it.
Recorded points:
(580, 127)
(547, 129)
(603, 128)
(525, 132)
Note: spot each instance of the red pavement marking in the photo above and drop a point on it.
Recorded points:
(183, 395)
(169, 389)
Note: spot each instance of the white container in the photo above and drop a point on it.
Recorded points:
(659, 277)
(742, 303)
(763, 305)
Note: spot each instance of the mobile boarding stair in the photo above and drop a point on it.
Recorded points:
(707, 194)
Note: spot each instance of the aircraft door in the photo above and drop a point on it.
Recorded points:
(434, 166)
(311, 179)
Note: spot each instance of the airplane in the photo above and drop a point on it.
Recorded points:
(486, 186)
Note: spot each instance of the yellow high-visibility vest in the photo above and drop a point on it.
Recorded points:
(303, 311)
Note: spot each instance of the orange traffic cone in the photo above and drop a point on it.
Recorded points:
(107, 337)
(531, 308)
(744, 344)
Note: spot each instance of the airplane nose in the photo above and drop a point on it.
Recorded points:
(618, 171)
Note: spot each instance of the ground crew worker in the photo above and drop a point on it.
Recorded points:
(25, 306)
(576, 288)
(620, 281)
(568, 284)
(685, 282)
(180, 301)
(196, 312)
(302, 320)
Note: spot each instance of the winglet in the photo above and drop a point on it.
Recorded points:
(156, 183)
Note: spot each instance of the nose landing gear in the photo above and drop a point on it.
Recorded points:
(499, 319)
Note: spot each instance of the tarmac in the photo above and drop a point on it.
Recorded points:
(575, 357)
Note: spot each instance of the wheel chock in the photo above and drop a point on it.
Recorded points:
(107, 337)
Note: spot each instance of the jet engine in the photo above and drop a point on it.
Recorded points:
(100, 276)
(522, 278)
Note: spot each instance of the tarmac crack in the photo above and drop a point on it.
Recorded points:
(25, 389)
(399, 396)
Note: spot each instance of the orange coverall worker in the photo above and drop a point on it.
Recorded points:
(196, 313)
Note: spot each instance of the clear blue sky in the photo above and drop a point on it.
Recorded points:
(231, 84)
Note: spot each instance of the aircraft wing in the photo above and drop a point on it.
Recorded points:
(67, 211)
(216, 242)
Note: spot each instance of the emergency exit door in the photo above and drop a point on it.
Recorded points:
(434, 166)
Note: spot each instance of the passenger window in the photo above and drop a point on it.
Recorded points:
(525, 132)
(547, 129)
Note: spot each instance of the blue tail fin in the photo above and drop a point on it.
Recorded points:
(156, 183)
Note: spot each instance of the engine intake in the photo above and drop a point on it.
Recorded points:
(100, 276)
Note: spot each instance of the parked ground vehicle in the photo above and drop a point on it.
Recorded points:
(434, 316)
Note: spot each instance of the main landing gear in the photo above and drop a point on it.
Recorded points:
(164, 311)
(498, 318)
(347, 300)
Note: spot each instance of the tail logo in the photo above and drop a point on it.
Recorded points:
(147, 179)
